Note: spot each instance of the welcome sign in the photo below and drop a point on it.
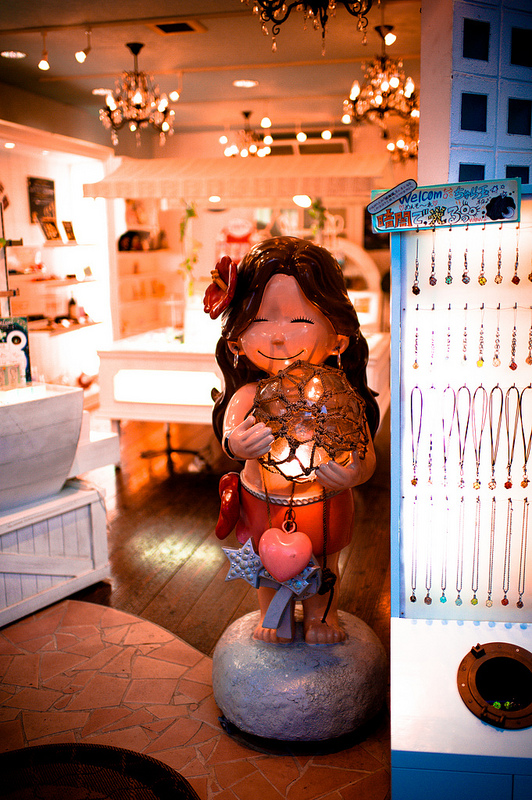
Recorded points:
(471, 203)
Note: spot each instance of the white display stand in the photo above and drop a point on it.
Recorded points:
(50, 549)
(461, 575)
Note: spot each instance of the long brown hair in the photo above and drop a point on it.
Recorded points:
(321, 281)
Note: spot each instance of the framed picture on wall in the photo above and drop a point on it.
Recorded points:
(50, 229)
(69, 230)
(41, 195)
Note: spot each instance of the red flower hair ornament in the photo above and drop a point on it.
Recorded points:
(222, 289)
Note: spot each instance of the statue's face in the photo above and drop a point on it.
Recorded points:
(288, 328)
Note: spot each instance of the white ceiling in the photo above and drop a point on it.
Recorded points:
(297, 84)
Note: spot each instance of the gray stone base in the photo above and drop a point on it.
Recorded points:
(299, 692)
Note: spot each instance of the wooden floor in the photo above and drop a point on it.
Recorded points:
(167, 565)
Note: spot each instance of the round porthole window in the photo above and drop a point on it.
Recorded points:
(495, 683)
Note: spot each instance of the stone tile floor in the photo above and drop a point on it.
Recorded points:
(79, 672)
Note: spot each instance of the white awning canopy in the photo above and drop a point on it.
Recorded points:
(343, 178)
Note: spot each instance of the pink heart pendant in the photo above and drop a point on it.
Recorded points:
(284, 554)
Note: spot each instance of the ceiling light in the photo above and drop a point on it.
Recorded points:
(248, 142)
(214, 198)
(301, 136)
(174, 96)
(43, 63)
(385, 92)
(317, 11)
(13, 54)
(136, 102)
(265, 122)
(9, 145)
(223, 139)
(385, 32)
(326, 134)
(102, 92)
(244, 83)
(302, 200)
(81, 55)
(268, 139)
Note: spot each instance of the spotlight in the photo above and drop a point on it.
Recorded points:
(43, 63)
(81, 55)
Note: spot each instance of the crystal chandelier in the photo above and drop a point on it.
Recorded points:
(137, 102)
(385, 92)
(317, 11)
(406, 145)
(249, 142)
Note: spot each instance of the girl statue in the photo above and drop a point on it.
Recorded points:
(286, 304)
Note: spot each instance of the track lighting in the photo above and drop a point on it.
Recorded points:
(43, 63)
(81, 55)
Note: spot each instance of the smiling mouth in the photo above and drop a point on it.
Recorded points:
(284, 358)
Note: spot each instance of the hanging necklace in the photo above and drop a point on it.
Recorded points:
(527, 444)
(480, 360)
(522, 555)
(449, 277)
(507, 554)
(476, 551)
(447, 430)
(432, 277)
(443, 582)
(448, 348)
(528, 359)
(516, 279)
(413, 570)
(477, 433)
(432, 345)
(497, 347)
(498, 276)
(415, 365)
(415, 434)
(465, 273)
(461, 427)
(495, 431)
(415, 286)
(482, 275)
(464, 336)
(460, 558)
(428, 567)
(510, 434)
(489, 601)
(513, 364)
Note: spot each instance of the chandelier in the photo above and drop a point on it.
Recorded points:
(316, 11)
(249, 142)
(385, 92)
(406, 145)
(137, 102)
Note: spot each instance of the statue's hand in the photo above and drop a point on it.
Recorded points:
(250, 439)
(336, 477)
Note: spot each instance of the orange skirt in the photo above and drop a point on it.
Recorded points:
(340, 510)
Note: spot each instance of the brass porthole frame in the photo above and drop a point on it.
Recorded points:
(466, 678)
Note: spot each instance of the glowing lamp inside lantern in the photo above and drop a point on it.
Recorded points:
(315, 416)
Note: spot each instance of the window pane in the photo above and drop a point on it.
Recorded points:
(474, 112)
(476, 39)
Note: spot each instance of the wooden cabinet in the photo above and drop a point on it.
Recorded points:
(150, 289)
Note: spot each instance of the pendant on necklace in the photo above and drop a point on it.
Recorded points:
(476, 484)
(412, 598)
(427, 600)
(508, 484)
(520, 603)
(498, 278)
(492, 484)
(496, 362)
(504, 601)
(458, 601)
(489, 603)
(474, 601)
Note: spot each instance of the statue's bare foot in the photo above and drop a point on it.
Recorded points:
(318, 632)
(269, 635)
